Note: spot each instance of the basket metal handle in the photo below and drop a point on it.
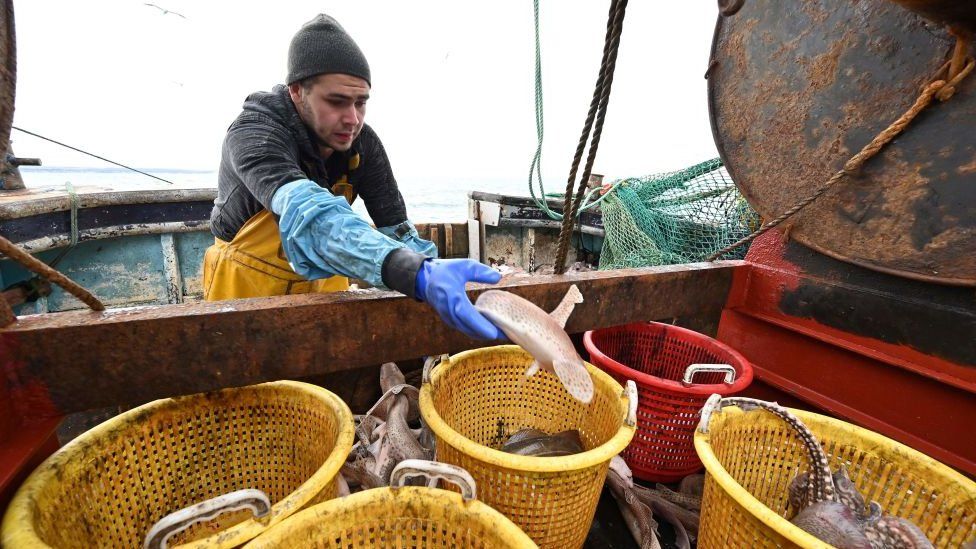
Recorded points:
(713, 403)
(630, 391)
(430, 363)
(727, 369)
(433, 471)
(178, 521)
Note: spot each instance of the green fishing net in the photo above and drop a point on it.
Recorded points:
(676, 217)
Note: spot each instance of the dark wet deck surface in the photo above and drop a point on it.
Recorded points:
(609, 531)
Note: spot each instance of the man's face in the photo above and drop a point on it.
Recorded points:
(333, 107)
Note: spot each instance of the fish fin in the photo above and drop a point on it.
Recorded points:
(533, 369)
(620, 467)
(342, 486)
(575, 377)
(565, 308)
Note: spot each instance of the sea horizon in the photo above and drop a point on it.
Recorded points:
(428, 199)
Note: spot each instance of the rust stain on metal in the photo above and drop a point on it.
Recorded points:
(786, 119)
(89, 360)
(823, 68)
(7, 316)
(968, 169)
(8, 72)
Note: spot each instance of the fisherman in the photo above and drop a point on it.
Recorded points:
(292, 164)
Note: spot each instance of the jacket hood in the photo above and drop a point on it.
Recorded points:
(277, 106)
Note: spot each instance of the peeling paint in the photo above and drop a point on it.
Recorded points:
(125, 271)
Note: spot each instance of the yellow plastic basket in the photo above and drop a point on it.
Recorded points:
(751, 457)
(108, 487)
(402, 517)
(476, 399)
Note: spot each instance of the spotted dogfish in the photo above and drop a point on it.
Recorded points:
(829, 505)
(542, 335)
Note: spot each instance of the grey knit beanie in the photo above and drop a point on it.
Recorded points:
(322, 46)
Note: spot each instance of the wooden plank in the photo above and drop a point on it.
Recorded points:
(453, 243)
(32, 202)
(171, 269)
(528, 250)
(549, 225)
(482, 238)
(474, 244)
(77, 360)
(435, 238)
(449, 241)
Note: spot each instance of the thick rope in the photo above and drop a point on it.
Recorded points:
(37, 266)
(853, 166)
(565, 233)
(601, 95)
(958, 59)
(950, 88)
(588, 124)
(601, 115)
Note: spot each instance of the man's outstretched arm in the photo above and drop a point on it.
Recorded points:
(323, 237)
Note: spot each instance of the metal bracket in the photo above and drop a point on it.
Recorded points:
(713, 403)
(178, 521)
(430, 363)
(434, 471)
(727, 369)
(630, 391)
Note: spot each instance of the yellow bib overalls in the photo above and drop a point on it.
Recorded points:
(253, 264)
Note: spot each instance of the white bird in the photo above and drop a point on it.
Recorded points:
(165, 11)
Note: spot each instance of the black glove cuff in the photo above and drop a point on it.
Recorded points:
(400, 269)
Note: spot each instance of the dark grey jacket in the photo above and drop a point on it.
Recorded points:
(268, 146)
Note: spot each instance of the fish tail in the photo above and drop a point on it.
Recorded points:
(575, 378)
(574, 294)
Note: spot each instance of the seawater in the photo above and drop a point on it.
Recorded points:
(435, 199)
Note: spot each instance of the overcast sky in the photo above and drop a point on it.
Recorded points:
(453, 86)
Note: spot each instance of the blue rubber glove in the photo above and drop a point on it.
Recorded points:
(440, 283)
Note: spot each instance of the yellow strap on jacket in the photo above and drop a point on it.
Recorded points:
(254, 265)
(342, 187)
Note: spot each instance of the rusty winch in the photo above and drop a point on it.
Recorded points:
(797, 88)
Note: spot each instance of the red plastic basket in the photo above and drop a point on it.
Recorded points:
(657, 357)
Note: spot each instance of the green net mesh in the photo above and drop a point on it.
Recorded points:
(676, 217)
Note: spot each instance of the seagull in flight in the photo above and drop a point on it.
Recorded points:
(165, 11)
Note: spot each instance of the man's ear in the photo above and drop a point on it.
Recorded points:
(295, 91)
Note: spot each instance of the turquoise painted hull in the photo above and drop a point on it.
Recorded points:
(123, 271)
(141, 248)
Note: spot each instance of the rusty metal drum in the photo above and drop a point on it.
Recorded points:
(797, 88)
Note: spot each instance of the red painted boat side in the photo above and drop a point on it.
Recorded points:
(901, 388)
